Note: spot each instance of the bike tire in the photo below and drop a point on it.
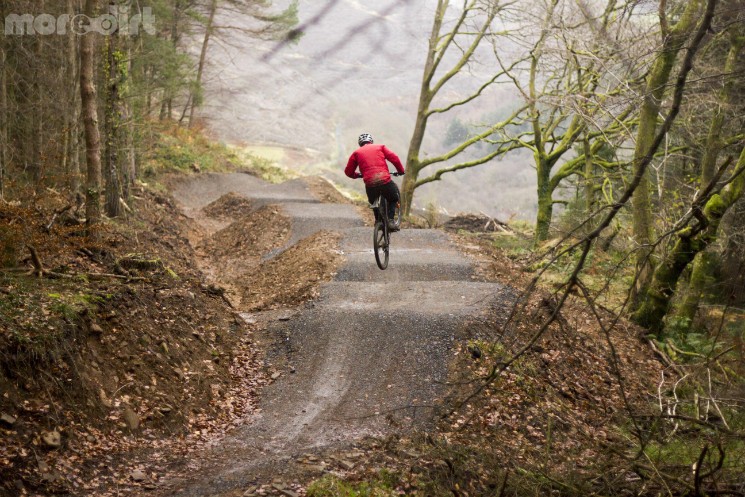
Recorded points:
(381, 236)
(379, 245)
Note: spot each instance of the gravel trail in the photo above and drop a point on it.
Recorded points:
(367, 357)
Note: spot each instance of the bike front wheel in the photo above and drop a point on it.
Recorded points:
(380, 244)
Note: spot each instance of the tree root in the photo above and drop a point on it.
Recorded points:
(93, 276)
(40, 272)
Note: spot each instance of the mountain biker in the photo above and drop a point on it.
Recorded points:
(371, 160)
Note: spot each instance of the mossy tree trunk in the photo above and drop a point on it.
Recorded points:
(691, 241)
(556, 128)
(130, 160)
(545, 201)
(589, 176)
(643, 226)
(413, 165)
(700, 274)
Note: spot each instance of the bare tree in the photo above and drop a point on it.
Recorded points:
(3, 111)
(472, 25)
(71, 128)
(112, 127)
(196, 95)
(89, 103)
(568, 95)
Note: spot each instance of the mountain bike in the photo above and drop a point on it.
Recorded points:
(381, 232)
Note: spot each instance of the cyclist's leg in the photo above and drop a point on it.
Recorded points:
(392, 195)
(373, 192)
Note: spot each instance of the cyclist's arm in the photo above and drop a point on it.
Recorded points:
(393, 158)
(352, 167)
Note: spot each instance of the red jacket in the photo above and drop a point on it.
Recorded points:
(371, 159)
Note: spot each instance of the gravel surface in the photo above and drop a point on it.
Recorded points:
(368, 357)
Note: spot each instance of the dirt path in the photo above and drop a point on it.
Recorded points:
(369, 356)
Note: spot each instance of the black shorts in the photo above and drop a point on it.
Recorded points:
(389, 191)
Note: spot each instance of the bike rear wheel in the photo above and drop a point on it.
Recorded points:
(381, 237)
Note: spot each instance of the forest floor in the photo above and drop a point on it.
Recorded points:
(234, 337)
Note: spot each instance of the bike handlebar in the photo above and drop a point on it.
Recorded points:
(395, 173)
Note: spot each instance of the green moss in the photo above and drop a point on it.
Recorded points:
(683, 451)
(186, 150)
(716, 206)
(510, 243)
(332, 486)
(263, 167)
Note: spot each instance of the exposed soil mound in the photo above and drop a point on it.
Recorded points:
(119, 346)
(476, 223)
(264, 230)
(230, 205)
(325, 191)
(294, 276)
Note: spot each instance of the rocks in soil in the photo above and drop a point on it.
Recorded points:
(276, 375)
(104, 398)
(52, 439)
(96, 329)
(47, 474)
(7, 420)
(131, 419)
(138, 475)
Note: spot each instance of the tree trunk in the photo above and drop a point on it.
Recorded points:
(196, 97)
(704, 262)
(437, 49)
(545, 201)
(425, 98)
(89, 107)
(413, 165)
(3, 113)
(130, 164)
(589, 176)
(166, 108)
(37, 168)
(659, 76)
(665, 278)
(113, 119)
(72, 116)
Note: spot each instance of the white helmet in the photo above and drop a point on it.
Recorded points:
(365, 138)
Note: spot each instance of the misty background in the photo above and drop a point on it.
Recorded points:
(357, 68)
